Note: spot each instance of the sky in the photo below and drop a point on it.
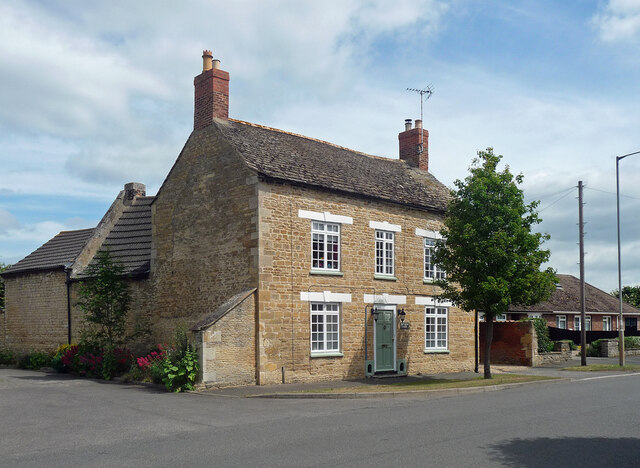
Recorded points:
(97, 94)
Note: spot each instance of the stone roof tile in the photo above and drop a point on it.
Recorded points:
(129, 241)
(56, 253)
(298, 159)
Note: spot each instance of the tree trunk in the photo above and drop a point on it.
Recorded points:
(487, 349)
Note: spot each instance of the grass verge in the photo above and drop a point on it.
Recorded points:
(434, 384)
(604, 367)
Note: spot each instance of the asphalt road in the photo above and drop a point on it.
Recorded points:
(53, 420)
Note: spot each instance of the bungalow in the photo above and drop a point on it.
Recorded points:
(562, 309)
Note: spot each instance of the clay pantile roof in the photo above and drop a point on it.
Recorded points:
(298, 159)
(223, 310)
(129, 242)
(61, 250)
(566, 298)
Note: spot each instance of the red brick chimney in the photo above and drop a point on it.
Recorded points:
(211, 92)
(414, 145)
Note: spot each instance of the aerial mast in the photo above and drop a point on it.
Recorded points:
(428, 91)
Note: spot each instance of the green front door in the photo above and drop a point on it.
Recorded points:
(384, 341)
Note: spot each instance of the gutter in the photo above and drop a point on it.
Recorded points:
(67, 271)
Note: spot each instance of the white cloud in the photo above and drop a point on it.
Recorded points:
(60, 80)
(618, 21)
(7, 221)
(97, 95)
(19, 239)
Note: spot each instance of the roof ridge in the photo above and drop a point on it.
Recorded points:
(251, 124)
(72, 230)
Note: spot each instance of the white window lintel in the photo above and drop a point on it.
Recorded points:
(432, 301)
(385, 299)
(325, 217)
(324, 296)
(385, 226)
(427, 233)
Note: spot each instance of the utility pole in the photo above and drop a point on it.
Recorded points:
(620, 318)
(583, 323)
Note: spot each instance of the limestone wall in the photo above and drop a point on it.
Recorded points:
(285, 272)
(36, 311)
(36, 317)
(227, 348)
(204, 233)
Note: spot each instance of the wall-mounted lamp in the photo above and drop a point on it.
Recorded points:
(374, 313)
(401, 315)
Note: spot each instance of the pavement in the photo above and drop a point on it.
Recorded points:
(314, 389)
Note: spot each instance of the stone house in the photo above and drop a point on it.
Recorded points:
(562, 309)
(288, 257)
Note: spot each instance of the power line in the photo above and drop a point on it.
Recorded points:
(558, 192)
(611, 193)
(568, 192)
(546, 196)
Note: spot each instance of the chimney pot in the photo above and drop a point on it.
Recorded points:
(418, 123)
(407, 124)
(216, 64)
(206, 60)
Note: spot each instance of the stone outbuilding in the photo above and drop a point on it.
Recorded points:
(288, 257)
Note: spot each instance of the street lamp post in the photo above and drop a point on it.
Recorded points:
(620, 319)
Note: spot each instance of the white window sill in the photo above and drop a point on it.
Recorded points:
(430, 280)
(331, 354)
(385, 277)
(326, 272)
(436, 351)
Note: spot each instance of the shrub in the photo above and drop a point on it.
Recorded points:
(89, 365)
(545, 344)
(147, 368)
(108, 369)
(68, 358)
(595, 349)
(156, 371)
(38, 360)
(7, 357)
(180, 373)
(180, 366)
(632, 342)
(56, 360)
(115, 362)
(34, 360)
(145, 362)
(56, 363)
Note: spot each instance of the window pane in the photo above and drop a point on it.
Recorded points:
(436, 328)
(325, 327)
(325, 248)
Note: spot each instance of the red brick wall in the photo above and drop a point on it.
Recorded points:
(211, 97)
(513, 343)
(409, 142)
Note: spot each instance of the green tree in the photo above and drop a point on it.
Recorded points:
(630, 295)
(3, 267)
(104, 299)
(491, 257)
